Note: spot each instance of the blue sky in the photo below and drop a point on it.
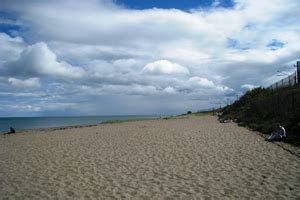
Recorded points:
(177, 4)
(276, 44)
(108, 57)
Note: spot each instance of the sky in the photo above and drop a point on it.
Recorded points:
(120, 57)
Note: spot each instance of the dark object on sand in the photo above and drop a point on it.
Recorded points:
(236, 120)
(279, 135)
(225, 120)
(12, 130)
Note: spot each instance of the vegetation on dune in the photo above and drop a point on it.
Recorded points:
(262, 110)
(200, 113)
(203, 113)
(117, 121)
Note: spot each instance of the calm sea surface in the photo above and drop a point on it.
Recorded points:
(23, 123)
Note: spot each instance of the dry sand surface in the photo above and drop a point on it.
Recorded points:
(191, 158)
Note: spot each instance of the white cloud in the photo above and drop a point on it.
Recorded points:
(165, 67)
(204, 55)
(248, 87)
(10, 48)
(170, 90)
(38, 59)
(40, 107)
(38, 95)
(200, 82)
(23, 108)
(58, 106)
(107, 89)
(30, 83)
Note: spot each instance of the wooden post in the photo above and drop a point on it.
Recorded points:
(298, 72)
(293, 100)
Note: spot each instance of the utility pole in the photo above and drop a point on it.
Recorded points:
(298, 72)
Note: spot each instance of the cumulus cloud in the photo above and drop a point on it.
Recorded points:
(154, 56)
(165, 67)
(248, 87)
(24, 94)
(30, 83)
(39, 60)
(58, 106)
(40, 107)
(202, 88)
(200, 82)
(23, 108)
(170, 90)
(10, 47)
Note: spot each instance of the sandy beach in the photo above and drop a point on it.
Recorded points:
(185, 158)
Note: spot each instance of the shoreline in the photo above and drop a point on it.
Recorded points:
(81, 126)
(50, 129)
(108, 122)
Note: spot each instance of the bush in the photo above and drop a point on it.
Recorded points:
(262, 110)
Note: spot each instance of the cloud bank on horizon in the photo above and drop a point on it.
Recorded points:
(105, 57)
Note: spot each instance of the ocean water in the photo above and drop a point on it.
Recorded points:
(24, 123)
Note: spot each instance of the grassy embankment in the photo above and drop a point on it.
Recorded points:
(162, 117)
(262, 110)
(117, 121)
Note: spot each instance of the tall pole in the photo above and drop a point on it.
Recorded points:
(298, 72)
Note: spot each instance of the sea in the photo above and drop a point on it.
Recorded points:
(25, 123)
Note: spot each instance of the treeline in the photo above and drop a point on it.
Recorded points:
(262, 110)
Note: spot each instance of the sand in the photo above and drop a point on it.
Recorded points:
(187, 158)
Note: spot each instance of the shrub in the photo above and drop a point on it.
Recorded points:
(262, 110)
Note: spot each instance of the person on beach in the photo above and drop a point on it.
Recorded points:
(282, 132)
(12, 130)
(279, 135)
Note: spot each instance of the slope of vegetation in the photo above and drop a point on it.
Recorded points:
(262, 110)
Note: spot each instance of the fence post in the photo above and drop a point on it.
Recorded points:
(290, 81)
(298, 71)
(293, 101)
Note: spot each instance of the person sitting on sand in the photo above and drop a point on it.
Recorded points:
(279, 135)
(281, 132)
(12, 130)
